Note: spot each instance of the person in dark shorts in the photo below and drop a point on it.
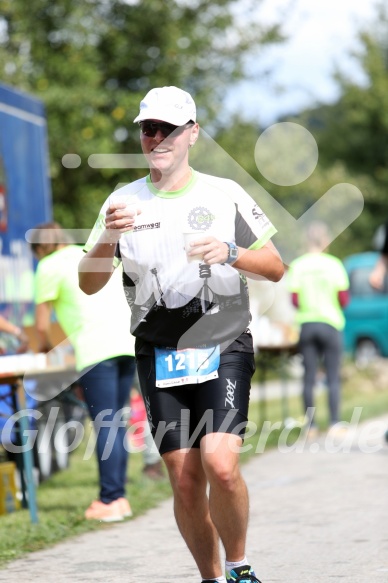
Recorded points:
(190, 316)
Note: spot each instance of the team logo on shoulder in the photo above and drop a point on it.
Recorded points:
(200, 219)
(259, 215)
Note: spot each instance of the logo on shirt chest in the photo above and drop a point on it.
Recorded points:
(147, 226)
(200, 219)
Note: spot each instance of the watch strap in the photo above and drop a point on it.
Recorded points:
(232, 252)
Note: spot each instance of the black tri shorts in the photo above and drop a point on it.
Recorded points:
(180, 416)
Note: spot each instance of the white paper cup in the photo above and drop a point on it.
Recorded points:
(131, 203)
(189, 238)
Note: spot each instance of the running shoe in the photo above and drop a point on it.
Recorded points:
(244, 574)
(104, 512)
(125, 507)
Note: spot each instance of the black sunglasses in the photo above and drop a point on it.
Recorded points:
(151, 128)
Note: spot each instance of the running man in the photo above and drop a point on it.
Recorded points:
(190, 318)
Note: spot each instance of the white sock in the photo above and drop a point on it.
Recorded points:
(218, 579)
(229, 565)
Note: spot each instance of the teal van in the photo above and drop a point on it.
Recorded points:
(366, 328)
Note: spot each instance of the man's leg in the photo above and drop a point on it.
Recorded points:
(191, 507)
(228, 496)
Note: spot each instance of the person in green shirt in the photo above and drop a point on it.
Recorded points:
(319, 286)
(104, 351)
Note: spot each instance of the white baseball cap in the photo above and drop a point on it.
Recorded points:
(168, 104)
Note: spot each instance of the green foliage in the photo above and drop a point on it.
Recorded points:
(91, 62)
(352, 133)
(352, 141)
(240, 140)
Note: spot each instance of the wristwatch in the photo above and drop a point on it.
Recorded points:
(233, 252)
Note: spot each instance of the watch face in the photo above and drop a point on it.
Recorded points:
(232, 253)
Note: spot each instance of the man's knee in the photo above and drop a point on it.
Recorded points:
(185, 472)
(222, 467)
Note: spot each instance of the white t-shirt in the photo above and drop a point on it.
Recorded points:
(175, 303)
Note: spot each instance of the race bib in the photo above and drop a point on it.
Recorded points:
(186, 367)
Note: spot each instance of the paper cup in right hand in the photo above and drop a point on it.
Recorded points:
(189, 238)
(130, 201)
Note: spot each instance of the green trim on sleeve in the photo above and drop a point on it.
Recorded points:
(96, 232)
(116, 262)
(264, 239)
